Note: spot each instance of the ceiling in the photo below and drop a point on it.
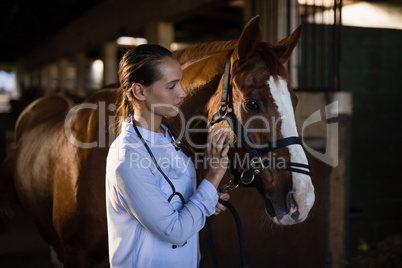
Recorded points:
(25, 24)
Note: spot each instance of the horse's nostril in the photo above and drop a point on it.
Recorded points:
(295, 215)
(270, 209)
(290, 203)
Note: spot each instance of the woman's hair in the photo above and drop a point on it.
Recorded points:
(140, 65)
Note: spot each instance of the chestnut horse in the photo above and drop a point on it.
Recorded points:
(61, 148)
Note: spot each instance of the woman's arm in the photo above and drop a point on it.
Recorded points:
(141, 196)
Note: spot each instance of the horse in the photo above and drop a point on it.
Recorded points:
(239, 85)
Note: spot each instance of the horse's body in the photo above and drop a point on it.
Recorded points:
(60, 163)
(61, 184)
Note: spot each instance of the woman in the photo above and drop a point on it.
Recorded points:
(154, 210)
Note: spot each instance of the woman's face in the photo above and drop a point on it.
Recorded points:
(164, 96)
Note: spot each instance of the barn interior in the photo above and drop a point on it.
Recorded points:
(349, 54)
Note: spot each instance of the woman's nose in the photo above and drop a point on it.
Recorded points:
(182, 92)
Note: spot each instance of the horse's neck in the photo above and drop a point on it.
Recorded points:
(203, 67)
(201, 80)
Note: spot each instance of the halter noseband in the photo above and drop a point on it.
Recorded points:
(257, 165)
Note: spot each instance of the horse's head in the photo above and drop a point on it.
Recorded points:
(265, 148)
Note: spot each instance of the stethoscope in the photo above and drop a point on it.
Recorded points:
(176, 145)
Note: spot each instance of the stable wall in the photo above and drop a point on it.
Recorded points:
(371, 70)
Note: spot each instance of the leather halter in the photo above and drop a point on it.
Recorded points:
(257, 165)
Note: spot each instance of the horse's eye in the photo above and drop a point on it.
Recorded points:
(251, 105)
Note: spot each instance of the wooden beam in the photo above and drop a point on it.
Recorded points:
(337, 182)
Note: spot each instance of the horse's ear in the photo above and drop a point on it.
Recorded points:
(249, 38)
(284, 48)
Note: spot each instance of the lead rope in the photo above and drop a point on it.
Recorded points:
(208, 239)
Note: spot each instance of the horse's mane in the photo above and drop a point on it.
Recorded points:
(202, 50)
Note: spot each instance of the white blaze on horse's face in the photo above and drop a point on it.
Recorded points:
(303, 188)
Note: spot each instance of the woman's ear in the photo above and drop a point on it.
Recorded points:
(138, 91)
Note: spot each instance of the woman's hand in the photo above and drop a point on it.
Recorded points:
(217, 157)
(219, 207)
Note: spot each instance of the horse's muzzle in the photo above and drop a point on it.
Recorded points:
(285, 215)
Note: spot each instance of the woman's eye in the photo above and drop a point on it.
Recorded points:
(172, 87)
(251, 105)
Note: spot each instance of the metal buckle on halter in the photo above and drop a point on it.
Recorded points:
(246, 182)
(256, 164)
(253, 164)
(230, 187)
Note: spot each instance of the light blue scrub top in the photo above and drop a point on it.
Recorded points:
(143, 226)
